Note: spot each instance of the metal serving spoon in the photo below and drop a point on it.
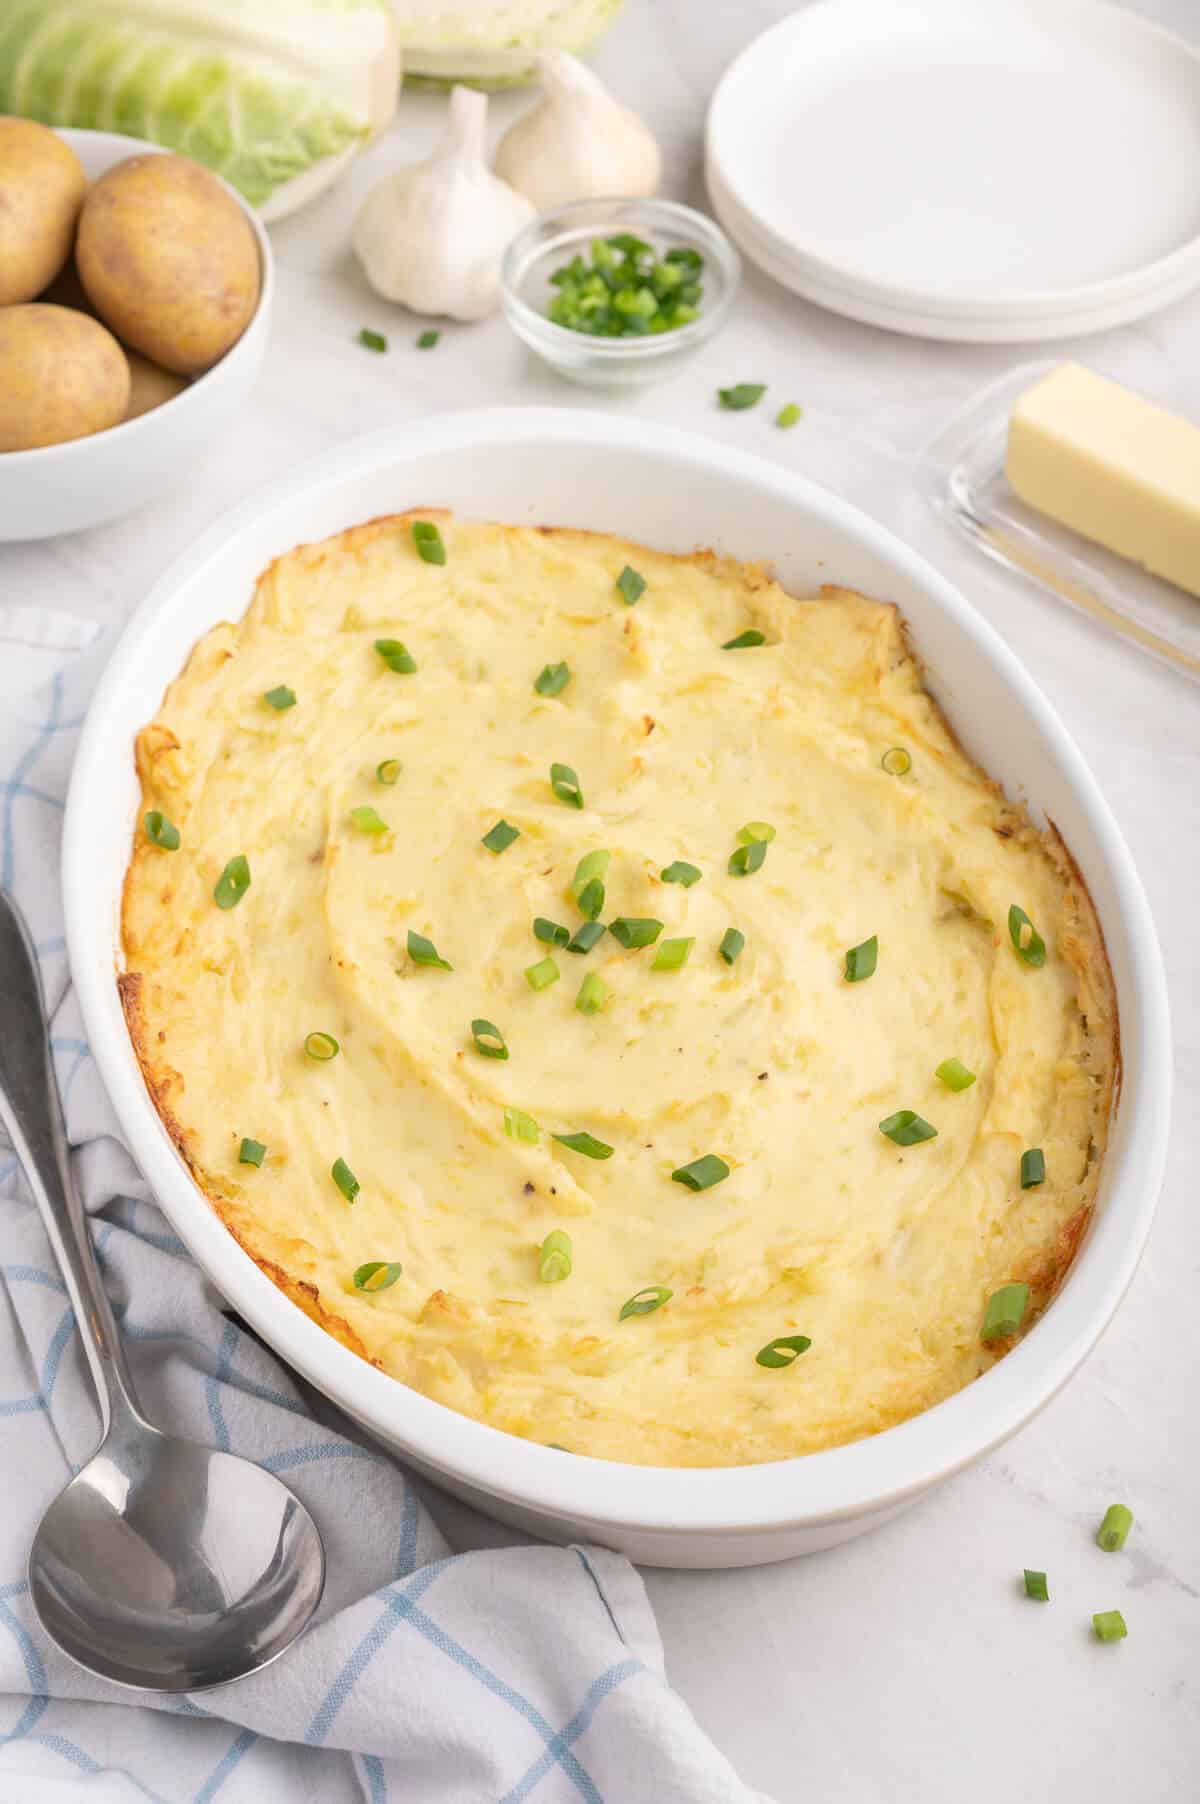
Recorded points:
(163, 1565)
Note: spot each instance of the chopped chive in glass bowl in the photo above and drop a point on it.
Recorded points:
(618, 293)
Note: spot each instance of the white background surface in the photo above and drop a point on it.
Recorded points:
(905, 1665)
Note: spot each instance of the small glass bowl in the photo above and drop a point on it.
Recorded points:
(553, 238)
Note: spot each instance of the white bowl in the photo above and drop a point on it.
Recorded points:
(675, 490)
(63, 488)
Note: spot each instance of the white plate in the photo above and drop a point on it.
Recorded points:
(962, 169)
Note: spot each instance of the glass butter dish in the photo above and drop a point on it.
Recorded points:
(961, 473)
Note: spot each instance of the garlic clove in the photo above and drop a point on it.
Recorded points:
(432, 235)
(578, 143)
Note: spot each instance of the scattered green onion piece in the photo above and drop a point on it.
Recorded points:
(587, 1144)
(424, 952)
(345, 1179)
(396, 656)
(251, 1152)
(554, 1257)
(565, 785)
(748, 858)
(281, 698)
(593, 994)
(520, 1126)
(702, 1173)
(591, 898)
(489, 1041)
(784, 1351)
(1036, 1586)
(428, 541)
(549, 932)
(1005, 1311)
(388, 772)
(372, 341)
(233, 882)
(585, 936)
(427, 340)
(741, 395)
(681, 872)
(377, 1274)
(590, 866)
(632, 931)
(861, 960)
(543, 974)
(1033, 1168)
(731, 945)
(367, 821)
(787, 416)
(1027, 941)
(1109, 1625)
(161, 832)
(896, 762)
(1113, 1532)
(672, 955)
(321, 1047)
(755, 831)
(501, 836)
(954, 1074)
(646, 1301)
(745, 640)
(632, 585)
(552, 679)
(907, 1128)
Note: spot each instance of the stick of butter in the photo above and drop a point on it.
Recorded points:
(1100, 459)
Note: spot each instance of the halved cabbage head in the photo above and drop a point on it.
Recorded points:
(493, 43)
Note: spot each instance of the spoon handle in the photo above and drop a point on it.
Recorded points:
(31, 1110)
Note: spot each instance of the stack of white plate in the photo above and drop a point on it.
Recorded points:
(1000, 170)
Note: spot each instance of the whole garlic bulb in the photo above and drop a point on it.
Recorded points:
(578, 142)
(433, 235)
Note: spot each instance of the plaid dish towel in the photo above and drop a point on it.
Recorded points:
(530, 1673)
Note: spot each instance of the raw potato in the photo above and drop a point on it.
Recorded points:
(62, 376)
(150, 386)
(42, 185)
(169, 261)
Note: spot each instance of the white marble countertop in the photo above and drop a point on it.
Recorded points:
(904, 1665)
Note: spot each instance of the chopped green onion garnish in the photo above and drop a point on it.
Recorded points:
(754, 831)
(552, 679)
(233, 882)
(742, 394)
(520, 1126)
(861, 960)
(1036, 1586)
(428, 541)
(321, 1047)
(554, 1258)
(672, 955)
(632, 931)
(1033, 1168)
(424, 952)
(632, 585)
(549, 932)
(488, 1039)
(784, 1351)
(954, 1074)
(542, 975)
(646, 1301)
(748, 858)
(593, 994)
(1113, 1532)
(377, 1274)
(702, 1173)
(1004, 1312)
(367, 821)
(388, 772)
(1027, 941)
(591, 898)
(745, 640)
(1109, 1625)
(427, 340)
(397, 657)
(161, 832)
(585, 936)
(624, 291)
(251, 1152)
(501, 836)
(280, 698)
(565, 785)
(787, 416)
(587, 1144)
(896, 762)
(590, 866)
(681, 872)
(731, 944)
(907, 1128)
(345, 1179)
(372, 341)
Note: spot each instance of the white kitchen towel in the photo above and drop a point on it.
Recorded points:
(428, 1678)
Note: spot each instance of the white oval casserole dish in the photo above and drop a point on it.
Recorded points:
(673, 490)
